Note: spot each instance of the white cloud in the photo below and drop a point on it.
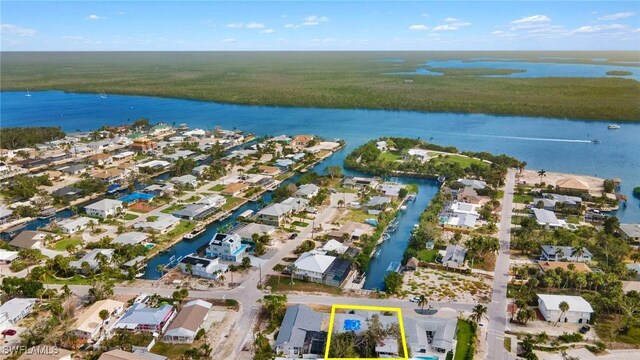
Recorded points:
(419, 27)
(292, 26)
(255, 25)
(450, 19)
(9, 29)
(424, 15)
(617, 16)
(315, 20)
(636, 30)
(445, 28)
(94, 17)
(535, 19)
(267, 31)
(69, 37)
(235, 25)
(460, 23)
(229, 40)
(121, 13)
(589, 29)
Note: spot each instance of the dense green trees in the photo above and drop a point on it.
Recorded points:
(24, 187)
(392, 282)
(183, 166)
(22, 137)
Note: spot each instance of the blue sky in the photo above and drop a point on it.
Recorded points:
(316, 25)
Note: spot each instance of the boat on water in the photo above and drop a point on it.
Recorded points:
(613, 127)
(403, 208)
(28, 93)
(411, 197)
(386, 236)
(596, 141)
(194, 233)
(103, 95)
(394, 266)
(47, 214)
(377, 253)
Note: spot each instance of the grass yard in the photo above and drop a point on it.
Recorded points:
(183, 227)
(152, 218)
(356, 215)
(463, 161)
(232, 202)
(522, 199)
(284, 285)
(413, 188)
(427, 255)
(300, 223)
(62, 244)
(465, 338)
(172, 208)
(218, 187)
(171, 351)
(390, 156)
(606, 325)
(507, 343)
(75, 280)
(129, 216)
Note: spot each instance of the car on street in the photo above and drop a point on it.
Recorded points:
(293, 236)
(8, 332)
(585, 329)
(415, 299)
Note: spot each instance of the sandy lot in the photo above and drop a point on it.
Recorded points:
(531, 177)
(447, 286)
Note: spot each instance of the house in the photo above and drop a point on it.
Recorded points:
(390, 189)
(349, 231)
(462, 221)
(104, 208)
(199, 170)
(301, 141)
(29, 239)
(5, 214)
(307, 191)
(573, 185)
(76, 169)
(155, 165)
(296, 204)
(303, 331)
(179, 154)
(130, 238)
(382, 146)
(190, 319)
(312, 266)
(141, 318)
(630, 232)
(548, 218)
(208, 268)
(564, 253)
(460, 208)
(125, 155)
(473, 183)
(17, 309)
(421, 154)
(432, 336)
(378, 202)
(70, 226)
(469, 195)
(227, 247)
(46, 352)
(92, 258)
(160, 129)
(355, 182)
(7, 257)
(201, 209)
(247, 230)
(550, 201)
(284, 163)
(454, 256)
(124, 355)
(101, 159)
(280, 138)
(67, 191)
(579, 312)
(163, 224)
(159, 189)
(564, 265)
(143, 145)
(110, 176)
(334, 245)
(269, 170)
(185, 180)
(274, 214)
(233, 189)
(89, 324)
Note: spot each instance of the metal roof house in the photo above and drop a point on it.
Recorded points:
(303, 331)
(548, 219)
(454, 256)
(564, 253)
(227, 247)
(579, 312)
(130, 238)
(208, 268)
(104, 208)
(92, 258)
(141, 318)
(307, 191)
(190, 319)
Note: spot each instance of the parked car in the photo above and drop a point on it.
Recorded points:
(8, 332)
(293, 236)
(585, 329)
(415, 299)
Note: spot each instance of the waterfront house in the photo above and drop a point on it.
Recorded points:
(188, 180)
(92, 258)
(269, 170)
(29, 239)
(131, 238)
(159, 189)
(208, 268)
(155, 165)
(16, 309)
(307, 191)
(247, 230)
(572, 185)
(188, 322)
(390, 189)
(163, 224)
(564, 253)
(101, 159)
(355, 182)
(274, 214)
(301, 141)
(378, 202)
(141, 318)
(284, 164)
(89, 324)
(76, 169)
(110, 176)
(234, 189)
(199, 170)
(5, 214)
(70, 226)
(382, 146)
(630, 232)
(227, 247)
(160, 129)
(548, 219)
(7, 257)
(550, 201)
(454, 256)
(579, 312)
(201, 209)
(104, 208)
(473, 183)
(421, 154)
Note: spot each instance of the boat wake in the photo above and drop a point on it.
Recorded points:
(533, 138)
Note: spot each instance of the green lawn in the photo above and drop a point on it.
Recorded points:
(171, 351)
(463, 161)
(128, 217)
(62, 244)
(75, 280)
(356, 215)
(183, 227)
(152, 218)
(231, 203)
(507, 344)
(413, 188)
(465, 337)
(300, 223)
(218, 187)
(522, 199)
(172, 208)
(605, 326)
(427, 255)
(284, 285)
(390, 156)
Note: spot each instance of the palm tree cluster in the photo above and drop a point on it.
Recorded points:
(363, 344)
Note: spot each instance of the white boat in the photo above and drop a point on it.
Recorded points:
(403, 207)
(28, 93)
(613, 127)
(103, 95)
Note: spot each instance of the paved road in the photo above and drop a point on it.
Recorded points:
(497, 310)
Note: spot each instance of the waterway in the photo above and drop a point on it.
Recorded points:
(544, 143)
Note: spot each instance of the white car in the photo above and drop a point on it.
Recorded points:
(415, 299)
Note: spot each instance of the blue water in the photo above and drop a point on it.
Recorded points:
(393, 249)
(533, 69)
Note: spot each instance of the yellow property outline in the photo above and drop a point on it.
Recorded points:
(371, 308)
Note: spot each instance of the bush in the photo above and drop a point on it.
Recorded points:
(568, 338)
(200, 334)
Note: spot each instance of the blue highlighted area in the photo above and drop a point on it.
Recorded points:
(351, 325)
(136, 196)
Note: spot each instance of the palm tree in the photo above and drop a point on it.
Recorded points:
(104, 315)
(422, 301)
(292, 268)
(564, 307)
(479, 311)
(340, 203)
(542, 174)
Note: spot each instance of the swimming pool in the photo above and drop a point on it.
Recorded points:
(351, 325)
(149, 246)
(424, 358)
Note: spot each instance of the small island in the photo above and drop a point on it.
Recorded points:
(619, 73)
(475, 71)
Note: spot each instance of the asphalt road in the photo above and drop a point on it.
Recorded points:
(497, 309)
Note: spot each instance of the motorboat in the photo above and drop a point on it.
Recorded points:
(596, 141)
(613, 127)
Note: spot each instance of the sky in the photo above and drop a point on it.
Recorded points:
(318, 25)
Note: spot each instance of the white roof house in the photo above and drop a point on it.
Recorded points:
(7, 256)
(307, 191)
(464, 221)
(163, 224)
(91, 258)
(16, 309)
(88, 324)
(130, 238)
(476, 184)
(104, 208)
(459, 207)
(630, 231)
(334, 245)
(421, 154)
(579, 311)
(313, 265)
(69, 226)
(548, 218)
(187, 180)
